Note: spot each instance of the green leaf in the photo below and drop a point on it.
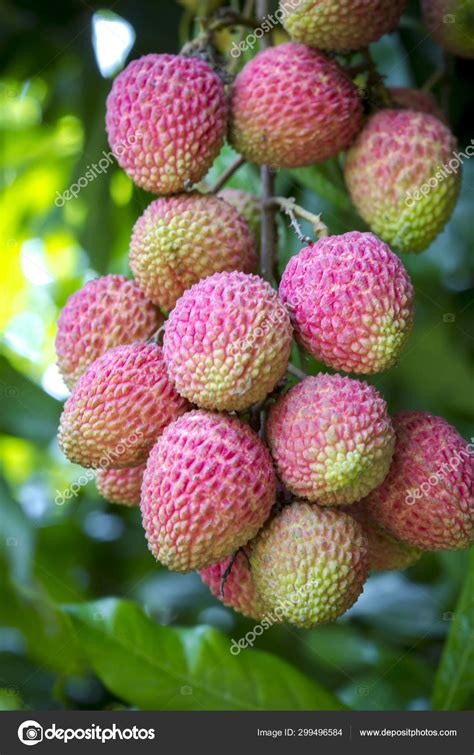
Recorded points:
(327, 181)
(10, 699)
(26, 411)
(454, 684)
(156, 667)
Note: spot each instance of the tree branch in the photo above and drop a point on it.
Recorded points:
(238, 162)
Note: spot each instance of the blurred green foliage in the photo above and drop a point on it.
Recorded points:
(63, 640)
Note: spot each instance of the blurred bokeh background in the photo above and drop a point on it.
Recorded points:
(57, 61)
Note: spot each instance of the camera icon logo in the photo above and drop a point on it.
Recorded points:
(30, 733)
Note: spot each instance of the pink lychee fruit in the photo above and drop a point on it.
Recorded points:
(402, 179)
(118, 408)
(451, 24)
(427, 498)
(179, 240)
(106, 312)
(166, 121)
(385, 552)
(121, 485)
(331, 438)
(237, 589)
(418, 100)
(208, 487)
(227, 341)
(309, 564)
(293, 106)
(350, 301)
(340, 25)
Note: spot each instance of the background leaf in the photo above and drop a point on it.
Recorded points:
(184, 669)
(454, 681)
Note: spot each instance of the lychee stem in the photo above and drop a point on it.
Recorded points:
(238, 162)
(290, 207)
(296, 371)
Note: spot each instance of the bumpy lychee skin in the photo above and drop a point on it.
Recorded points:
(418, 100)
(121, 485)
(385, 552)
(166, 121)
(119, 407)
(248, 205)
(451, 23)
(227, 341)
(106, 312)
(396, 177)
(331, 438)
(293, 106)
(309, 564)
(427, 498)
(208, 487)
(239, 589)
(341, 25)
(350, 301)
(179, 240)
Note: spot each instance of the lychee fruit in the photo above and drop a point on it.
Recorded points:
(166, 121)
(248, 205)
(208, 487)
(106, 312)
(309, 564)
(293, 106)
(227, 341)
(451, 23)
(417, 99)
(403, 177)
(121, 485)
(350, 301)
(341, 25)
(179, 240)
(385, 552)
(237, 589)
(118, 408)
(427, 498)
(331, 438)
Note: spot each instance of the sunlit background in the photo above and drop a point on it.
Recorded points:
(57, 69)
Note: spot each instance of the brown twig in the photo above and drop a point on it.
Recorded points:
(238, 162)
(295, 371)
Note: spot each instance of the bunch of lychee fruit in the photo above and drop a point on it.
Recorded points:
(279, 498)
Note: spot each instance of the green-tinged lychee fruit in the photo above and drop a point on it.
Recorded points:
(166, 121)
(340, 25)
(121, 485)
(451, 23)
(179, 240)
(106, 312)
(237, 589)
(248, 205)
(227, 341)
(310, 564)
(350, 301)
(385, 552)
(418, 100)
(427, 498)
(208, 488)
(331, 438)
(404, 177)
(118, 408)
(293, 106)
